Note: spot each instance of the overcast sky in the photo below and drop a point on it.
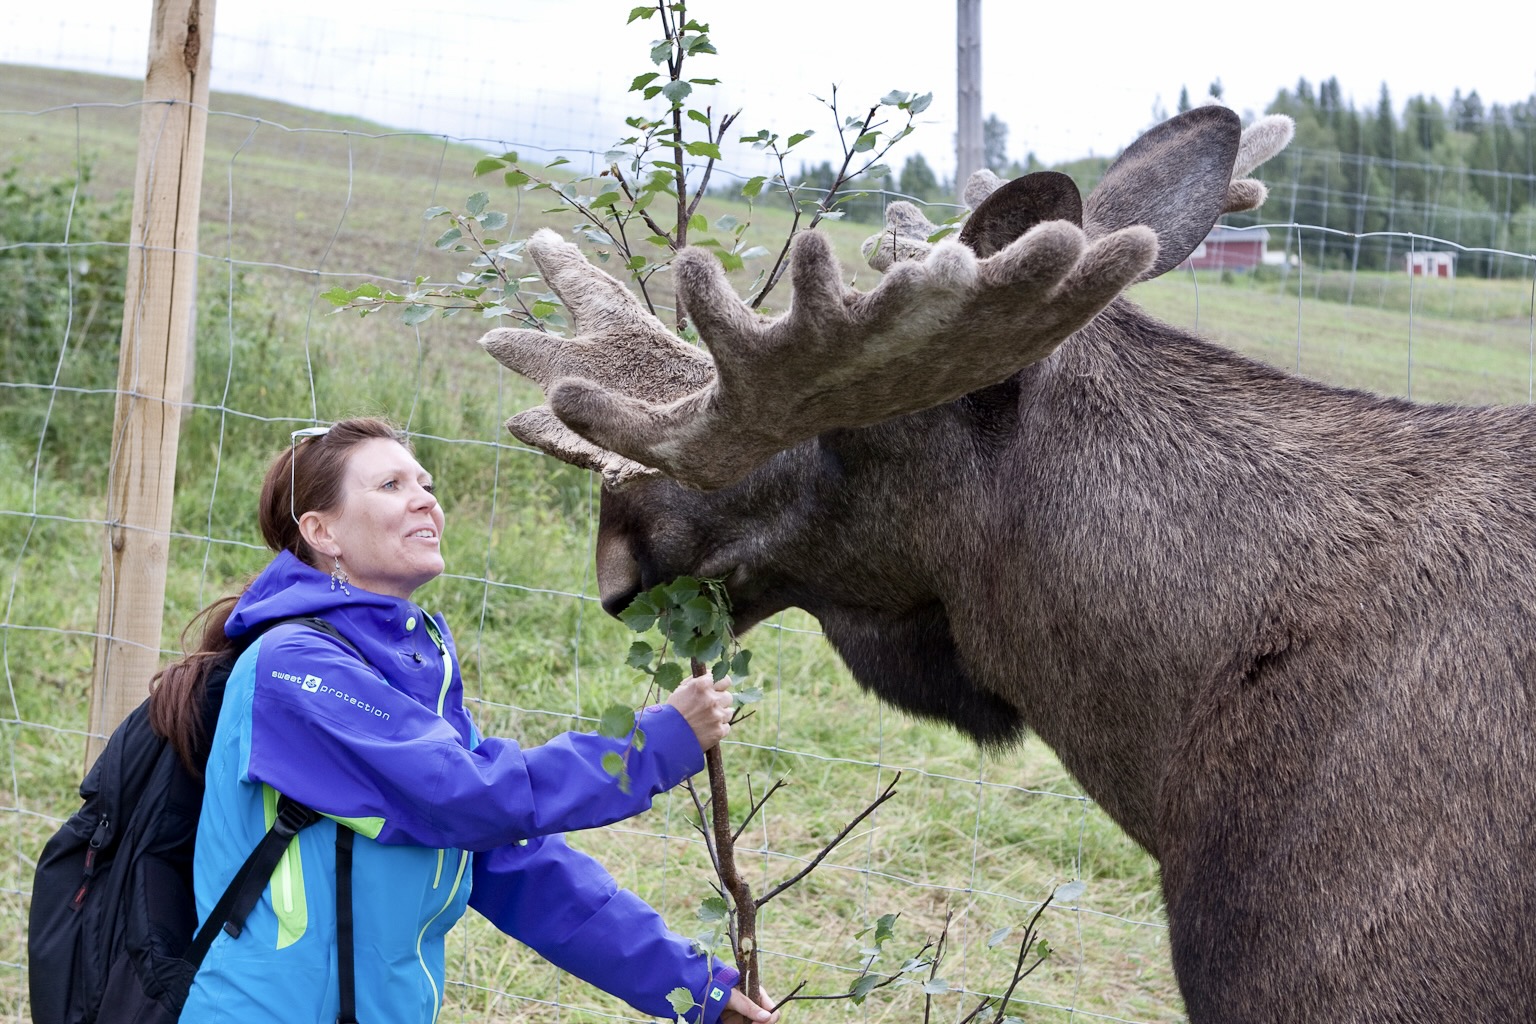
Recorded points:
(1068, 80)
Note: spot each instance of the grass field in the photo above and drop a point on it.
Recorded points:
(296, 202)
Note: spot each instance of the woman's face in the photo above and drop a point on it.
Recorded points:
(388, 529)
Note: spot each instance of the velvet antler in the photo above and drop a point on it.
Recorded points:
(930, 332)
(628, 399)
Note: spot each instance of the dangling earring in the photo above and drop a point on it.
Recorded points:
(339, 578)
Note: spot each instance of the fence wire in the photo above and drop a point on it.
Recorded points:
(289, 211)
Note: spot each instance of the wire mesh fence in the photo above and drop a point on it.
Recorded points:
(294, 205)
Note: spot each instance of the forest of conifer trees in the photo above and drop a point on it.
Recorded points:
(1366, 187)
(1461, 172)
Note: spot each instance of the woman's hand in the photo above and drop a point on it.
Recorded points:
(741, 1010)
(705, 704)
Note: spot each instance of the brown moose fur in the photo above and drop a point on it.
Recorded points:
(1284, 633)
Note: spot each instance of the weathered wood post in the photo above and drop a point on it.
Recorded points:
(158, 317)
(969, 135)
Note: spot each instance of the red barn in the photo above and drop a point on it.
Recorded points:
(1229, 249)
(1432, 264)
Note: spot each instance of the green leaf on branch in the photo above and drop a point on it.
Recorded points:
(415, 313)
(1070, 892)
(488, 164)
(754, 186)
(640, 654)
(680, 998)
(863, 987)
(699, 116)
(677, 91)
(613, 764)
(448, 238)
(866, 142)
(616, 721)
(641, 81)
(515, 178)
(641, 614)
(637, 13)
(475, 205)
(698, 612)
(493, 221)
(798, 138)
(669, 675)
(661, 51)
(740, 663)
(935, 986)
(749, 695)
(713, 910)
(706, 149)
(433, 212)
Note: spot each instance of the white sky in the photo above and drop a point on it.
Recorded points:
(1069, 80)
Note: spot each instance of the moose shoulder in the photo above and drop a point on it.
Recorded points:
(1282, 632)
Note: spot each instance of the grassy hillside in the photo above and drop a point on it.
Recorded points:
(295, 202)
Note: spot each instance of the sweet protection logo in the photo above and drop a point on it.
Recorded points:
(316, 685)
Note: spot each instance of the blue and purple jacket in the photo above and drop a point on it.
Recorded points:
(444, 819)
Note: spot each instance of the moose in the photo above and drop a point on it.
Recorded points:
(1284, 633)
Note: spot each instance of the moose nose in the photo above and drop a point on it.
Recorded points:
(618, 574)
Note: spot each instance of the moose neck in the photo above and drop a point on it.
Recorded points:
(1165, 514)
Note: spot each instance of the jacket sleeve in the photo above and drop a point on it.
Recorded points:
(568, 909)
(324, 729)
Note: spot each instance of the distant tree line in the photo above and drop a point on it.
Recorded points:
(1463, 171)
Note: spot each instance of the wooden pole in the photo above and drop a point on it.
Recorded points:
(969, 135)
(152, 368)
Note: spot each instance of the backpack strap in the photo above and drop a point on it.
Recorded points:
(245, 889)
(345, 965)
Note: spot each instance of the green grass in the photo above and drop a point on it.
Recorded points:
(538, 653)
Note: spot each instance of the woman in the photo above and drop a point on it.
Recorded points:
(372, 732)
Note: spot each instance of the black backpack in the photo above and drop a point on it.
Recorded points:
(110, 932)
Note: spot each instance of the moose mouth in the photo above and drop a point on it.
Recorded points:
(748, 601)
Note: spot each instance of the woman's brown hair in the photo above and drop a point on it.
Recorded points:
(306, 476)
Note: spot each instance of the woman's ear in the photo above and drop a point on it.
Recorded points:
(316, 531)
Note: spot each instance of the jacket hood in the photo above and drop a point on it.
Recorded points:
(288, 587)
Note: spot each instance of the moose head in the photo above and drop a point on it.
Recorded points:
(1281, 632)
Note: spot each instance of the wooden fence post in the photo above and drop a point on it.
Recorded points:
(158, 317)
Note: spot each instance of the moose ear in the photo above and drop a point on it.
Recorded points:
(1174, 179)
(1013, 208)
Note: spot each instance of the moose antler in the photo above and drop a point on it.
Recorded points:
(930, 332)
(1177, 178)
(628, 399)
